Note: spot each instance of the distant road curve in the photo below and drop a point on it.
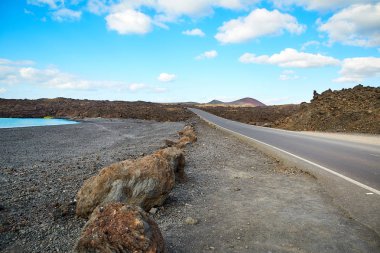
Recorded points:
(356, 163)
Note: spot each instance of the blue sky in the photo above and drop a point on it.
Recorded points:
(189, 50)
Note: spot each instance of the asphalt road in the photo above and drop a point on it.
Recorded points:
(356, 163)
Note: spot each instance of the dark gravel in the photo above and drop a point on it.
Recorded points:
(245, 201)
(42, 168)
(236, 198)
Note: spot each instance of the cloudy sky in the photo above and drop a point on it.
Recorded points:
(277, 51)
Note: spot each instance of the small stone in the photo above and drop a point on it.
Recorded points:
(238, 238)
(211, 248)
(191, 221)
(236, 189)
(153, 210)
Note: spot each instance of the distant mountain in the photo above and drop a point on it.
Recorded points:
(247, 101)
(215, 102)
(241, 102)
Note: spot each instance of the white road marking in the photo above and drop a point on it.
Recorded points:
(302, 159)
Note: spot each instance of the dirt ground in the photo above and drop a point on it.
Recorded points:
(42, 169)
(245, 201)
(240, 199)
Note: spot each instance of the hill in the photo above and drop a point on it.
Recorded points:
(347, 110)
(248, 102)
(215, 102)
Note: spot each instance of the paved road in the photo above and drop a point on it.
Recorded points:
(354, 162)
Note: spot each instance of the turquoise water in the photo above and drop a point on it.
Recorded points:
(28, 122)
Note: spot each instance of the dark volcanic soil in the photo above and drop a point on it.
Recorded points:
(355, 110)
(42, 169)
(243, 200)
(347, 110)
(73, 108)
(261, 115)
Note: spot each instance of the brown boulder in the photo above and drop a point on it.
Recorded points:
(120, 228)
(189, 132)
(187, 136)
(145, 182)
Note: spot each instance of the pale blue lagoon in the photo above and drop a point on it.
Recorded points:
(28, 122)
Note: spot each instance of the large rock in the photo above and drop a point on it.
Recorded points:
(188, 132)
(145, 182)
(120, 228)
(187, 135)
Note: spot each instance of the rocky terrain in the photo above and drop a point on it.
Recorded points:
(354, 110)
(73, 108)
(43, 168)
(235, 198)
(347, 110)
(261, 116)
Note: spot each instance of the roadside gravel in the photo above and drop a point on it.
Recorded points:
(236, 199)
(244, 201)
(42, 168)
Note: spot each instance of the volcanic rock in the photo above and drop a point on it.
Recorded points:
(117, 227)
(75, 108)
(145, 182)
(346, 110)
(187, 136)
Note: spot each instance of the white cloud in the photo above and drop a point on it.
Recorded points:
(53, 4)
(183, 7)
(192, 8)
(165, 77)
(236, 4)
(287, 75)
(3, 90)
(357, 25)
(207, 55)
(194, 32)
(20, 72)
(129, 21)
(357, 69)
(65, 14)
(9, 62)
(310, 44)
(28, 12)
(52, 78)
(291, 58)
(259, 22)
(321, 5)
(138, 16)
(137, 86)
(164, 11)
(98, 6)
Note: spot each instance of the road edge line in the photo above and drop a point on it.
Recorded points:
(366, 187)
